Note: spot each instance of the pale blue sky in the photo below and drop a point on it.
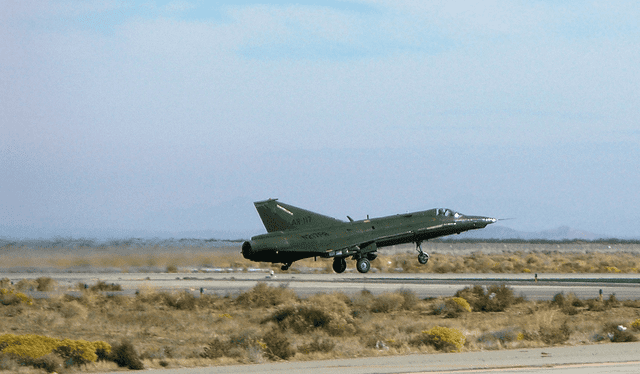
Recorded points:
(119, 117)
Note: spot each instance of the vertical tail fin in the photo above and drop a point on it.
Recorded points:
(277, 216)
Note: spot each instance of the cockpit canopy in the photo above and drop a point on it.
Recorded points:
(447, 213)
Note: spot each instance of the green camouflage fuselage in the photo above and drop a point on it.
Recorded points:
(307, 234)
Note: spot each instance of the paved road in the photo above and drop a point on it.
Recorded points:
(585, 286)
(602, 358)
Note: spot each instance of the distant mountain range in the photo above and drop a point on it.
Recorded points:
(493, 232)
(496, 232)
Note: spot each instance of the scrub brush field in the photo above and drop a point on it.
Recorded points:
(87, 329)
(156, 329)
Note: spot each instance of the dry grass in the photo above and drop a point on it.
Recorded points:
(272, 323)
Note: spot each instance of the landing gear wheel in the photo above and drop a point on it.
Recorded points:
(363, 265)
(423, 258)
(285, 267)
(339, 265)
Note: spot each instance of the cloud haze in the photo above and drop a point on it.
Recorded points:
(116, 115)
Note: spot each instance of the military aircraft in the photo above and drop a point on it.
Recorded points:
(294, 233)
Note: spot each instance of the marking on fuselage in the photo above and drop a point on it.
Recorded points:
(301, 221)
(315, 235)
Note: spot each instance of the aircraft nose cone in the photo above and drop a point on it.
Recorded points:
(484, 221)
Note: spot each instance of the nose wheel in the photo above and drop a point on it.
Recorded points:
(423, 257)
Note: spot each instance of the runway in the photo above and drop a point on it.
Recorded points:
(584, 286)
(590, 359)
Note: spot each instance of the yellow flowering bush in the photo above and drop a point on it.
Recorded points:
(32, 346)
(464, 304)
(445, 336)
(636, 325)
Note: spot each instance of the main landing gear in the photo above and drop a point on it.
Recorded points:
(285, 266)
(423, 257)
(339, 265)
(363, 265)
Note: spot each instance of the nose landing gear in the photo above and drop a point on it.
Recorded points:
(423, 257)
(285, 266)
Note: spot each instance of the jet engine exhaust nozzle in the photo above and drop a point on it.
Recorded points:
(247, 251)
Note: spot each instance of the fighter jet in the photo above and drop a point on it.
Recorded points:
(294, 234)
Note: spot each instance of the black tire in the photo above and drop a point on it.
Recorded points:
(339, 265)
(363, 265)
(423, 258)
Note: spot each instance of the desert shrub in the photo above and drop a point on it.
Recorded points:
(570, 310)
(300, 318)
(595, 305)
(631, 303)
(558, 300)
(102, 286)
(5, 283)
(209, 301)
(328, 312)
(494, 299)
(26, 285)
(46, 284)
(8, 363)
(635, 325)
(410, 299)
(361, 303)
(618, 333)
(318, 345)
(387, 302)
(452, 307)
(125, 355)
(441, 338)
(502, 336)
(103, 350)
(263, 295)
(552, 335)
(277, 345)
(234, 346)
(566, 304)
(172, 269)
(10, 297)
(612, 301)
(216, 349)
(181, 301)
(51, 363)
(73, 309)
